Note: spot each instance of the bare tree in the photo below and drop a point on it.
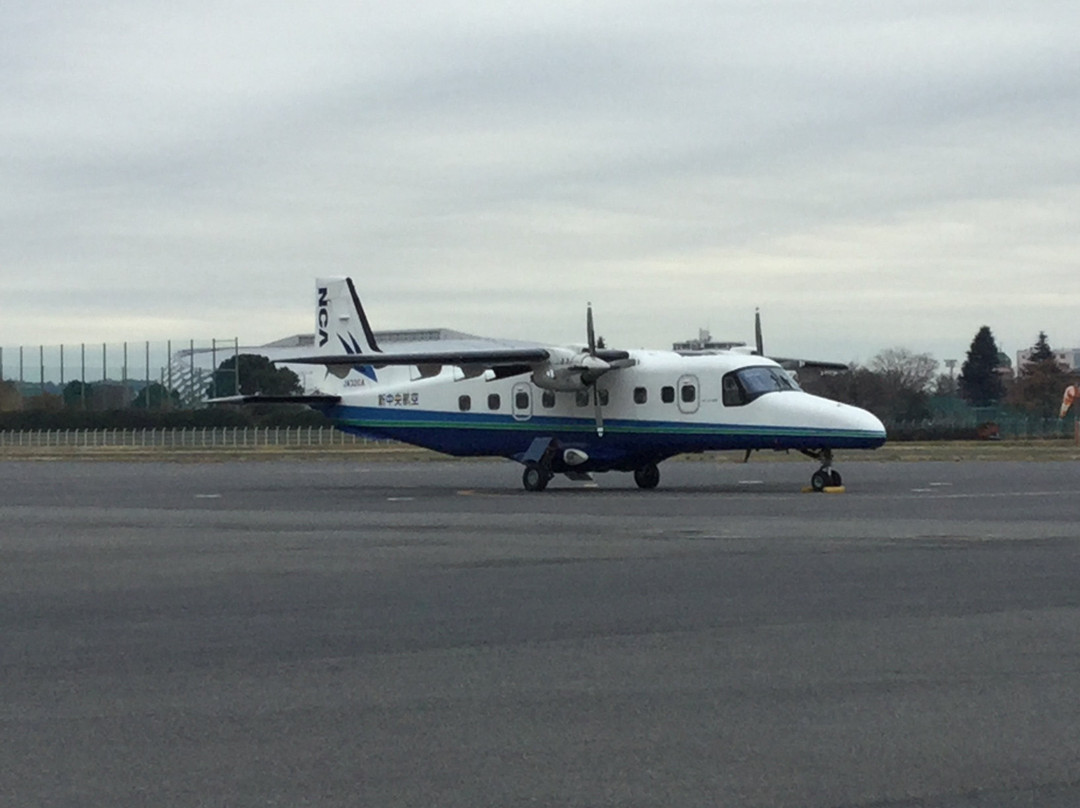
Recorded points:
(903, 370)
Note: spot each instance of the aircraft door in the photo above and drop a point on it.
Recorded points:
(687, 394)
(521, 401)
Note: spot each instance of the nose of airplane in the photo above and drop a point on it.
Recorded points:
(864, 421)
(853, 426)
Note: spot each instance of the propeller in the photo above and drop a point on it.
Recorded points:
(592, 352)
(593, 362)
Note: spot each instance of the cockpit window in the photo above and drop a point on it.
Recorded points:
(744, 385)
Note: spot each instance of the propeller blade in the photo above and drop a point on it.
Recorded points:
(759, 343)
(589, 329)
(599, 412)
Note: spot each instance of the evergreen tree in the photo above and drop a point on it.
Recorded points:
(1041, 350)
(1042, 379)
(980, 382)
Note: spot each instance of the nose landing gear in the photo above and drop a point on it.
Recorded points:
(826, 476)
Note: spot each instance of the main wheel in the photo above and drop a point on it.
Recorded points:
(837, 480)
(534, 478)
(647, 476)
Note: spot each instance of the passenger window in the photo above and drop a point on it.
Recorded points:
(667, 394)
(521, 400)
(548, 399)
(494, 401)
(604, 397)
(464, 403)
(688, 393)
(582, 398)
(641, 395)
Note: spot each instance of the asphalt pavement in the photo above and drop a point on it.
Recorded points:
(418, 634)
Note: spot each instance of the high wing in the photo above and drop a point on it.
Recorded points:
(815, 364)
(340, 321)
(494, 358)
(790, 364)
(258, 398)
(487, 357)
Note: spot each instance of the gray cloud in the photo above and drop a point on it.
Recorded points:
(870, 175)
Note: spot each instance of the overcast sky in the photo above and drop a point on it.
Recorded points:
(869, 174)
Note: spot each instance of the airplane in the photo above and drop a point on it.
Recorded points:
(571, 410)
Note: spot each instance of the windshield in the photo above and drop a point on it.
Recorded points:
(744, 385)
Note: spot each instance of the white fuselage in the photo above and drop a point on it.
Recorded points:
(662, 404)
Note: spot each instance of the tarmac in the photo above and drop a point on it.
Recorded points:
(296, 633)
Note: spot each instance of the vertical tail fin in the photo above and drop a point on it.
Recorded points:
(340, 322)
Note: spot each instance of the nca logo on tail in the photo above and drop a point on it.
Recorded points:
(323, 316)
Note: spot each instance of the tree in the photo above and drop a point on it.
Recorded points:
(904, 380)
(45, 402)
(945, 385)
(156, 396)
(257, 375)
(10, 398)
(1042, 379)
(980, 383)
(77, 394)
(904, 370)
(1041, 351)
(872, 391)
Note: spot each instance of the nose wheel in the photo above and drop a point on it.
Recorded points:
(826, 476)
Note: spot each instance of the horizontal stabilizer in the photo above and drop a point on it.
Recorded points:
(261, 399)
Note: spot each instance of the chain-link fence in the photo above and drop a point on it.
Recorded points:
(998, 425)
(170, 374)
(191, 438)
(106, 376)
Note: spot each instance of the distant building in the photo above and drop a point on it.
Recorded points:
(705, 342)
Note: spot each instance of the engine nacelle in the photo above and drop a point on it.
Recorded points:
(568, 372)
(560, 379)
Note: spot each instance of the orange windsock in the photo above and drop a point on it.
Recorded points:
(1067, 400)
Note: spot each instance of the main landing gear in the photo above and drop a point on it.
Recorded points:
(647, 476)
(537, 475)
(826, 476)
